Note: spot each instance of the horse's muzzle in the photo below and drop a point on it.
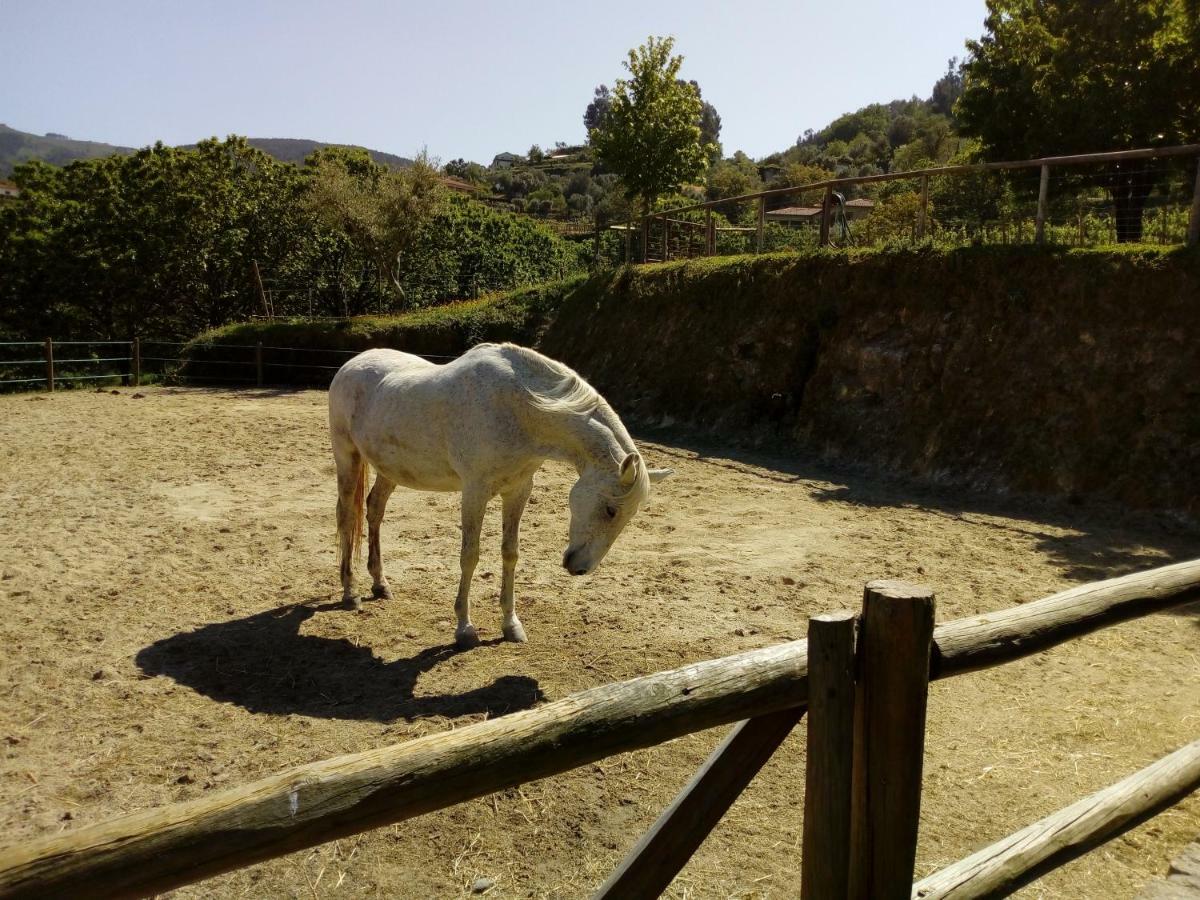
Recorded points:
(571, 565)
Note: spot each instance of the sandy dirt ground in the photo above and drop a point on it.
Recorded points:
(167, 578)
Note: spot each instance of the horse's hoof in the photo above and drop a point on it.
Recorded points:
(514, 632)
(381, 592)
(354, 603)
(466, 638)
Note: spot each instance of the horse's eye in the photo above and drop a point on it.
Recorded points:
(612, 511)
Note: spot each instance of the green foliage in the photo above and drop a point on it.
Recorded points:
(895, 218)
(1078, 77)
(162, 242)
(732, 177)
(468, 249)
(651, 134)
(381, 212)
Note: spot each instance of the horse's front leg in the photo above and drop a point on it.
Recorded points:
(474, 502)
(514, 505)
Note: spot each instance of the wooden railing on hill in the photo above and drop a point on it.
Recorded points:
(866, 696)
(668, 220)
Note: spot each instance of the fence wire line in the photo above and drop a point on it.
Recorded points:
(92, 359)
(89, 377)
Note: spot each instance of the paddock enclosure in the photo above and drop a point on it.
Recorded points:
(172, 627)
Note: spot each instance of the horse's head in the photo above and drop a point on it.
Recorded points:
(602, 503)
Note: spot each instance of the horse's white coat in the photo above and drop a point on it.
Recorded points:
(483, 425)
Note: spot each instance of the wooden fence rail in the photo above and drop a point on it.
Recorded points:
(827, 186)
(1028, 854)
(159, 849)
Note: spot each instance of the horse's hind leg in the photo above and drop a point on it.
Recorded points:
(376, 502)
(514, 505)
(351, 484)
(474, 503)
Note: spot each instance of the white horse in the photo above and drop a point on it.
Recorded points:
(483, 425)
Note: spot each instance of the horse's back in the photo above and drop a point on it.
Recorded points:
(359, 380)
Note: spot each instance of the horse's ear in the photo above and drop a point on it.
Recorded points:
(657, 475)
(629, 470)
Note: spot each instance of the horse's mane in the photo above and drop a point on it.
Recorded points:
(551, 386)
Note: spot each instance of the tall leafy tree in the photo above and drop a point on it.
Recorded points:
(593, 116)
(381, 211)
(1077, 76)
(651, 135)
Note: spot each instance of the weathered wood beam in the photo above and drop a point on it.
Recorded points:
(986, 640)
(829, 761)
(158, 849)
(891, 695)
(664, 850)
(1021, 858)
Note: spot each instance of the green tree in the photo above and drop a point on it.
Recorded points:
(1080, 76)
(593, 116)
(733, 177)
(381, 212)
(651, 135)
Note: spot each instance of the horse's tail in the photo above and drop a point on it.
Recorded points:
(360, 505)
(351, 520)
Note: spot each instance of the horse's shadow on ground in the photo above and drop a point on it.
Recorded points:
(263, 664)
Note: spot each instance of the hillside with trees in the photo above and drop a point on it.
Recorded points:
(18, 147)
(163, 241)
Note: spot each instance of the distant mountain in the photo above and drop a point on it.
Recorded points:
(294, 150)
(20, 146)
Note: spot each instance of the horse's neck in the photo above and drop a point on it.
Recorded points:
(598, 441)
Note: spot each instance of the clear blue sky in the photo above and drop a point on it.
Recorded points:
(463, 79)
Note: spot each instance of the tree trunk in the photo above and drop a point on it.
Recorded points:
(1129, 191)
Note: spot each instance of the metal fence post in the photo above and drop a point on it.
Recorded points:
(710, 242)
(889, 738)
(645, 238)
(50, 365)
(258, 363)
(628, 242)
(1193, 234)
(135, 361)
(762, 222)
(1039, 230)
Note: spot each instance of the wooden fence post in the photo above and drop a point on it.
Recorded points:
(258, 363)
(826, 208)
(50, 365)
(889, 738)
(262, 294)
(762, 222)
(1193, 234)
(135, 360)
(825, 861)
(1039, 229)
(923, 213)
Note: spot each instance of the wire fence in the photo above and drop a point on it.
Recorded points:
(1149, 196)
(148, 361)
